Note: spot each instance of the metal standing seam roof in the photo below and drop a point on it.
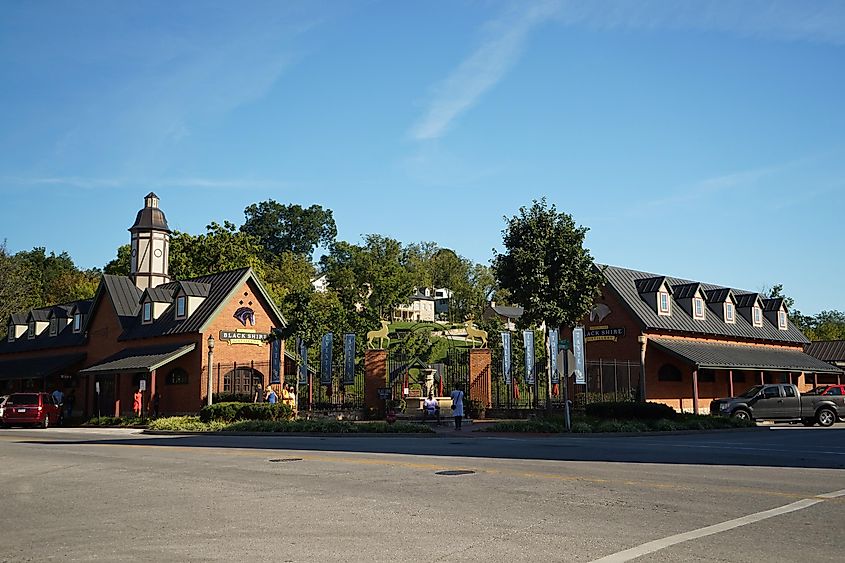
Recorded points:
(125, 296)
(140, 359)
(42, 366)
(65, 338)
(827, 350)
(158, 295)
(710, 355)
(195, 289)
(625, 283)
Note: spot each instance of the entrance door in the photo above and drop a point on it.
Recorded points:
(105, 407)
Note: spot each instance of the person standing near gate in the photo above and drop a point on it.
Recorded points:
(457, 406)
(136, 403)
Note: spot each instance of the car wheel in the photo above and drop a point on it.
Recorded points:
(807, 421)
(826, 417)
(46, 422)
(741, 414)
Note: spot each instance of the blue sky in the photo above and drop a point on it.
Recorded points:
(703, 140)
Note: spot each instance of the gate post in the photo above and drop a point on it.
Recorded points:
(375, 377)
(479, 376)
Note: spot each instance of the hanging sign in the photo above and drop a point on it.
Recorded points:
(303, 363)
(528, 339)
(326, 359)
(578, 350)
(553, 341)
(349, 359)
(506, 357)
(276, 361)
(241, 336)
(606, 333)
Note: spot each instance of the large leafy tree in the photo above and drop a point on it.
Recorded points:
(289, 228)
(17, 290)
(547, 269)
(55, 278)
(221, 248)
(827, 325)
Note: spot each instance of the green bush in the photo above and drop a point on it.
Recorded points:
(581, 428)
(114, 421)
(225, 412)
(230, 412)
(629, 410)
(609, 426)
(538, 426)
(232, 398)
(664, 425)
(185, 424)
(326, 426)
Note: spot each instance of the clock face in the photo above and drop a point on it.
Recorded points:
(157, 253)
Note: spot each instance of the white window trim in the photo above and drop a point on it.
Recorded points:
(698, 308)
(730, 313)
(660, 309)
(147, 312)
(783, 323)
(757, 316)
(77, 322)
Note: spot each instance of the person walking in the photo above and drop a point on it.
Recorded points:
(271, 396)
(457, 406)
(136, 403)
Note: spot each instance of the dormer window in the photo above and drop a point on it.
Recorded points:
(11, 335)
(663, 303)
(77, 322)
(30, 333)
(782, 322)
(147, 313)
(757, 315)
(698, 308)
(730, 313)
(54, 326)
(181, 307)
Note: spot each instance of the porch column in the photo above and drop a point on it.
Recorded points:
(117, 378)
(643, 341)
(731, 382)
(152, 391)
(815, 379)
(695, 391)
(762, 378)
(790, 378)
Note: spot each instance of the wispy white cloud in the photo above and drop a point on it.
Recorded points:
(485, 67)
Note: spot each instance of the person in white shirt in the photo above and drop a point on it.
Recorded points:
(457, 406)
(431, 408)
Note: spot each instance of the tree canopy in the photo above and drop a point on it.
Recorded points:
(289, 228)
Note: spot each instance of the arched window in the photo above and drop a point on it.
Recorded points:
(669, 372)
(177, 376)
(242, 380)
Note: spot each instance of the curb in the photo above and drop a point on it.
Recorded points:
(300, 434)
(622, 434)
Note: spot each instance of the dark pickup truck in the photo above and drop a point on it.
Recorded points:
(782, 402)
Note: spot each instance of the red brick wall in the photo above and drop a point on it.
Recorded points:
(479, 376)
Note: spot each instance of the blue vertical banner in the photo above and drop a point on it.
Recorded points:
(528, 339)
(578, 351)
(506, 357)
(349, 359)
(275, 359)
(553, 340)
(326, 359)
(303, 363)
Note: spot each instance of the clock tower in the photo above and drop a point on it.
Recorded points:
(150, 246)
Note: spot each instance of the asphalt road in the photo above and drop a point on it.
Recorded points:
(117, 495)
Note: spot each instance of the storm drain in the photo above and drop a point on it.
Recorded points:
(285, 460)
(454, 472)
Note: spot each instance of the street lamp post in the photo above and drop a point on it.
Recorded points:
(210, 363)
(642, 341)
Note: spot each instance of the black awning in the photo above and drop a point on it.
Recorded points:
(140, 359)
(44, 366)
(710, 355)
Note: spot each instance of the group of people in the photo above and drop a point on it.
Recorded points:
(288, 395)
(431, 408)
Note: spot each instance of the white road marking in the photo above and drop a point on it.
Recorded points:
(657, 545)
(732, 447)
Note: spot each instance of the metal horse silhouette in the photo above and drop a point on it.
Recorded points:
(475, 334)
(380, 335)
(245, 315)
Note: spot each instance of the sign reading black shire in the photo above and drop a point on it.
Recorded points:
(243, 337)
(597, 333)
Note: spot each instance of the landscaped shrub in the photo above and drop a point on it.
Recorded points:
(230, 412)
(609, 426)
(231, 398)
(185, 424)
(664, 425)
(581, 428)
(629, 410)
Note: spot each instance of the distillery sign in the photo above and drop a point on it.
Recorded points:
(604, 333)
(243, 337)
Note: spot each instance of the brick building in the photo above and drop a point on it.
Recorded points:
(146, 327)
(698, 341)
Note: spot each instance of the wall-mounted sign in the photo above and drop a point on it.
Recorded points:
(243, 337)
(599, 333)
(246, 315)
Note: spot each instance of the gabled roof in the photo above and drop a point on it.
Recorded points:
(125, 296)
(82, 307)
(827, 350)
(745, 300)
(41, 366)
(64, 338)
(61, 311)
(627, 283)
(157, 295)
(39, 315)
(221, 286)
(651, 284)
(773, 304)
(18, 318)
(194, 289)
(141, 359)
(686, 290)
(720, 295)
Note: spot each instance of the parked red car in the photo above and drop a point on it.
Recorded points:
(31, 408)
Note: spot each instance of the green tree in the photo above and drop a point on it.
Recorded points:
(121, 265)
(18, 293)
(547, 269)
(289, 228)
(827, 325)
(55, 278)
(221, 248)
